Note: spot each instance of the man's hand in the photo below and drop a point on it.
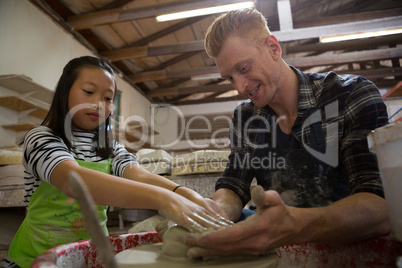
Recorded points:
(268, 228)
(354, 218)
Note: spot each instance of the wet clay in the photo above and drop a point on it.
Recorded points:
(153, 256)
(173, 242)
(172, 253)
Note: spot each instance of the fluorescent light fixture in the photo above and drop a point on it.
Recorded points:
(205, 76)
(204, 11)
(344, 37)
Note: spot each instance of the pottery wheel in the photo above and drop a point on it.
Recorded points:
(152, 256)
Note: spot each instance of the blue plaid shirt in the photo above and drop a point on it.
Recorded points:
(351, 103)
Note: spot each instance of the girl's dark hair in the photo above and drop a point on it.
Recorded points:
(59, 108)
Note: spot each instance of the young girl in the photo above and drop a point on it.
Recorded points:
(74, 137)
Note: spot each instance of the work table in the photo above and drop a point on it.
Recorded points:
(376, 252)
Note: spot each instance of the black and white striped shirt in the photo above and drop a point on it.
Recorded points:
(43, 151)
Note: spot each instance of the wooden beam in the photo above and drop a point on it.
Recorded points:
(175, 91)
(148, 51)
(346, 45)
(219, 89)
(375, 73)
(359, 56)
(342, 58)
(395, 92)
(168, 30)
(200, 101)
(351, 17)
(171, 74)
(198, 46)
(124, 53)
(337, 29)
(89, 20)
(285, 15)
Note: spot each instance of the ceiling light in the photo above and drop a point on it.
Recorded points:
(344, 37)
(206, 76)
(204, 11)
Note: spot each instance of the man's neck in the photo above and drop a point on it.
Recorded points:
(287, 103)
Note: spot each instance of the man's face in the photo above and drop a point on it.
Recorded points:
(253, 70)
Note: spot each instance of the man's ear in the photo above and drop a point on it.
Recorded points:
(274, 47)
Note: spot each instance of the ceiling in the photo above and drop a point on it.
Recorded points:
(166, 62)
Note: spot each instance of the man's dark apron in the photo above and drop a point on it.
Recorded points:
(301, 179)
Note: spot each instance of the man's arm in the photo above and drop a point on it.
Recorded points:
(354, 218)
(229, 202)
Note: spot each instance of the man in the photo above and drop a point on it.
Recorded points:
(303, 137)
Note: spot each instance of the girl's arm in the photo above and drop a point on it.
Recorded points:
(137, 173)
(110, 190)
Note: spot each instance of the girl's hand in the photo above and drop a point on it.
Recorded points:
(195, 218)
(206, 203)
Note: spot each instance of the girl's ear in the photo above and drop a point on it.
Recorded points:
(274, 47)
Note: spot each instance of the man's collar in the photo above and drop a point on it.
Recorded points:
(307, 98)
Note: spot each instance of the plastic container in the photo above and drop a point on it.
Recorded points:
(386, 142)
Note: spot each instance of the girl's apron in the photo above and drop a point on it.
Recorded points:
(53, 219)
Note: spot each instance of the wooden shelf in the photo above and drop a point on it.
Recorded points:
(18, 104)
(138, 127)
(20, 126)
(24, 85)
(395, 92)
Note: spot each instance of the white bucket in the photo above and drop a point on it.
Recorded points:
(386, 142)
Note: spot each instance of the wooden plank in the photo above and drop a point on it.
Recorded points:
(198, 46)
(175, 91)
(166, 31)
(347, 57)
(23, 84)
(126, 53)
(20, 126)
(200, 101)
(135, 125)
(10, 156)
(12, 189)
(337, 29)
(93, 19)
(18, 104)
(207, 167)
(304, 22)
(172, 74)
(395, 92)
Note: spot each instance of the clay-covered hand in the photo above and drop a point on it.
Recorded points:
(195, 218)
(271, 226)
(206, 203)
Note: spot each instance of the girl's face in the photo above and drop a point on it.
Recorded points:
(91, 98)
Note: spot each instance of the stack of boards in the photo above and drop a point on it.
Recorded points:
(11, 178)
(205, 161)
(198, 162)
(155, 161)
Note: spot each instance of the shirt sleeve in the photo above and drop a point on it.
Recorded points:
(43, 151)
(121, 160)
(365, 112)
(238, 174)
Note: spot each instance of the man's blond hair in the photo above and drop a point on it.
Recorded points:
(247, 23)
